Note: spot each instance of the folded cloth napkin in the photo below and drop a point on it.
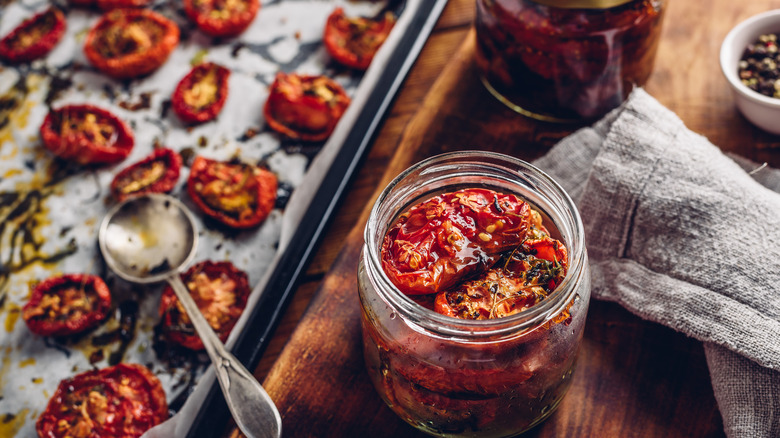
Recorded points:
(680, 234)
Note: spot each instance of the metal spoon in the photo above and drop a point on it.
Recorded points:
(149, 239)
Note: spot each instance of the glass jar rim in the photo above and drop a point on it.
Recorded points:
(422, 318)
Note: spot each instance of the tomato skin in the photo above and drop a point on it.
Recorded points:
(353, 42)
(439, 242)
(9, 46)
(164, 183)
(172, 314)
(108, 5)
(122, 401)
(77, 144)
(112, 31)
(203, 12)
(217, 186)
(190, 113)
(305, 107)
(95, 290)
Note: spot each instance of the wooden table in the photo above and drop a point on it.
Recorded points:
(634, 378)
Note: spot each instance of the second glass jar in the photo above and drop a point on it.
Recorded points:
(566, 60)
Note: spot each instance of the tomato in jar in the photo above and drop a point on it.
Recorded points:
(219, 289)
(34, 38)
(86, 134)
(67, 304)
(439, 242)
(122, 401)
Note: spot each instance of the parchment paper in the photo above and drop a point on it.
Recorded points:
(50, 211)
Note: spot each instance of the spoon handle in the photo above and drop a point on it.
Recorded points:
(252, 408)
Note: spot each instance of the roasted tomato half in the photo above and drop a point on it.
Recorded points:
(219, 289)
(353, 41)
(305, 107)
(201, 94)
(127, 43)
(157, 173)
(67, 304)
(122, 401)
(34, 38)
(86, 134)
(222, 18)
(237, 194)
(107, 5)
(442, 241)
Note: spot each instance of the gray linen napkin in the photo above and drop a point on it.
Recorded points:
(686, 238)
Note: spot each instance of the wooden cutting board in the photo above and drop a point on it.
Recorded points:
(633, 378)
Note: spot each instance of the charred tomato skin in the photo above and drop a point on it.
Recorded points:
(95, 290)
(353, 42)
(122, 401)
(76, 144)
(207, 15)
(143, 57)
(181, 332)
(193, 113)
(303, 107)
(214, 182)
(163, 163)
(10, 50)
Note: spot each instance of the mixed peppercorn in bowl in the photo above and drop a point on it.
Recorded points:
(750, 61)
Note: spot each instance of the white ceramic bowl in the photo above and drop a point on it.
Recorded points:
(762, 111)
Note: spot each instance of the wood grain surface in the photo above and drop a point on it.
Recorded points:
(633, 378)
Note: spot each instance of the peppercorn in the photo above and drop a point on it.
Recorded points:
(758, 68)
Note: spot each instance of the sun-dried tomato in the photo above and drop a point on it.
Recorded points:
(127, 43)
(157, 173)
(122, 401)
(34, 38)
(108, 5)
(201, 94)
(305, 107)
(219, 289)
(526, 276)
(353, 41)
(222, 18)
(440, 242)
(86, 134)
(67, 304)
(239, 195)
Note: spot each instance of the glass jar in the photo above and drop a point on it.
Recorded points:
(455, 377)
(566, 60)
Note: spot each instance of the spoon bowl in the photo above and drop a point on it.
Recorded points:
(149, 239)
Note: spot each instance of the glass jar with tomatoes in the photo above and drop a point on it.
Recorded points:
(566, 60)
(474, 285)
